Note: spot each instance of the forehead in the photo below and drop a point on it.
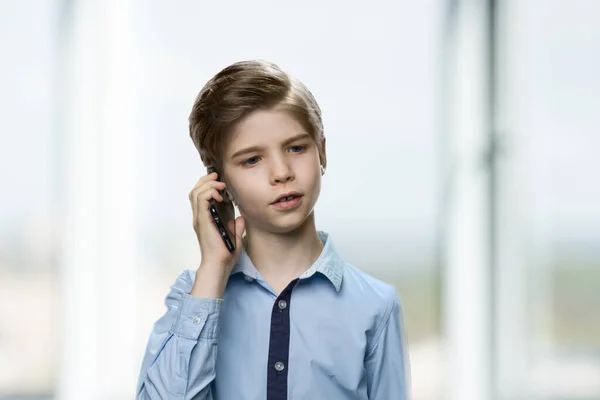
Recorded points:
(263, 127)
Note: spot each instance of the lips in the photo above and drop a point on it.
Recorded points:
(287, 197)
(288, 203)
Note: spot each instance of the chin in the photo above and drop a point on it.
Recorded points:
(288, 224)
(285, 224)
(284, 229)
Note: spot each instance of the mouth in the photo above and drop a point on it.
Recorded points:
(287, 197)
(288, 202)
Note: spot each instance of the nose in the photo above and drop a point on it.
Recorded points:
(281, 172)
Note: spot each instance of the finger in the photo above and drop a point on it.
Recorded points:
(203, 198)
(200, 204)
(206, 178)
(232, 234)
(209, 184)
(206, 186)
(231, 226)
(240, 226)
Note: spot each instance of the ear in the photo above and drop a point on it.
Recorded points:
(323, 153)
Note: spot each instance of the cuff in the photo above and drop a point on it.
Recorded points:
(197, 318)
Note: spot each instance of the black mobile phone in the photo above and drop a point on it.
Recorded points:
(222, 213)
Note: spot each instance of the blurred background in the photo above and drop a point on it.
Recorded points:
(462, 146)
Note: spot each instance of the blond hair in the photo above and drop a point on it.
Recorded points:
(240, 89)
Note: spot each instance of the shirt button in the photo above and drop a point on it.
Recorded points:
(279, 366)
(196, 320)
(282, 304)
(248, 278)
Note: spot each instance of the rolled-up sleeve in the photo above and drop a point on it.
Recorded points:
(181, 354)
(387, 362)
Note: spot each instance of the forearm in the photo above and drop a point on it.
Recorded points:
(183, 370)
(181, 354)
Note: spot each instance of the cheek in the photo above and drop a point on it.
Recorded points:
(308, 169)
(245, 195)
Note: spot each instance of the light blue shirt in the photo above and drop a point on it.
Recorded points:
(345, 331)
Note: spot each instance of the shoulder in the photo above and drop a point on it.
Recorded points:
(370, 289)
(373, 298)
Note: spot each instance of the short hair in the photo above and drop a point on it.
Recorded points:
(240, 89)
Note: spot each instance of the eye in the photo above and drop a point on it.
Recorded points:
(297, 149)
(251, 161)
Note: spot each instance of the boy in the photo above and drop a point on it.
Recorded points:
(283, 316)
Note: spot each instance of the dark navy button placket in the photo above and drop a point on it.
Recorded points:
(279, 345)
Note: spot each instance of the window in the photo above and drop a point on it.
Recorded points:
(552, 53)
(28, 221)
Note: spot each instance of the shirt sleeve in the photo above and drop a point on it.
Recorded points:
(180, 358)
(387, 362)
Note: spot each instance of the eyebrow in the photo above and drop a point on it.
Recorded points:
(258, 148)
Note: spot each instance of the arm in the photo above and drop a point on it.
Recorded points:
(387, 362)
(181, 354)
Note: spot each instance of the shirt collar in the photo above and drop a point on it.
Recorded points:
(329, 264)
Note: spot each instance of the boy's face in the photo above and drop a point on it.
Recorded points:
(270, 154)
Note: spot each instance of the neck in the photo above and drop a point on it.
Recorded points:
(280, 258)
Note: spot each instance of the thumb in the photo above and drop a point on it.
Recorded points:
(240, 227)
